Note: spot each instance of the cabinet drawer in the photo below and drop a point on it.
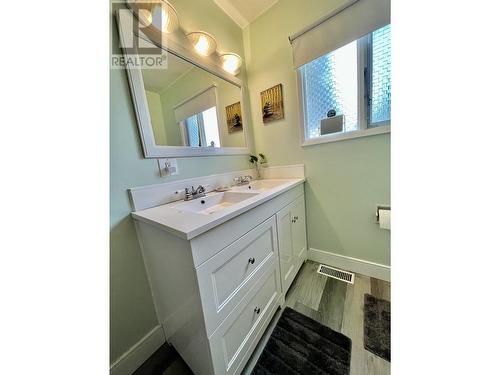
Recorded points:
(225, 278)
(234, 341)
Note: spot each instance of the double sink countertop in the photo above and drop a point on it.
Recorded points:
(188, 219)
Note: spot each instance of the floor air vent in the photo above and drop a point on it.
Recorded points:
(335, 273)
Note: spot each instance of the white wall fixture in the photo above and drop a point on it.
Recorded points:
(383, 216)
(203, 43)
(168, 167)
(231, 62)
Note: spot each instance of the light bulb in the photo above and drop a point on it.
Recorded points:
(231, 62)
(203, 43)
(162, 16)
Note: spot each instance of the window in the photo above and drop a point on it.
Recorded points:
(202, 130)
(347, 92)
(380, 88)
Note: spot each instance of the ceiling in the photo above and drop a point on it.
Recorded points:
(158, 79)
(243, 12)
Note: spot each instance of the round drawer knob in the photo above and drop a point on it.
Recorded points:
(257, 310)
(251, 260)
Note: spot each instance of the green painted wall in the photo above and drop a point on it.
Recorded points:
(131, 307)
(346, 179)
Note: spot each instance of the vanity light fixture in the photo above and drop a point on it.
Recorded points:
(203, 43)
(162, 15)
(231, 62)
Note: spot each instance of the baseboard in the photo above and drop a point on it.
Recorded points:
(364, 267)
(133, 358)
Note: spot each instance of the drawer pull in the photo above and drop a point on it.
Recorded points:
(293, 220)
(251, 260)
(257, 310)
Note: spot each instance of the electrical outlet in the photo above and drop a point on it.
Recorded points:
(168, 167)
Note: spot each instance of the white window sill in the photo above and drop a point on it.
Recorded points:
(344, 136)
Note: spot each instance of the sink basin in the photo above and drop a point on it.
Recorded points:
(215, 202)
(260, 185)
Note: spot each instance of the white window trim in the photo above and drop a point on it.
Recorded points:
(363, 131)
(346, 135)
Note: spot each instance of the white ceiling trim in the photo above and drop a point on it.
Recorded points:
(237, 16)
(264, 10)
(232, 12)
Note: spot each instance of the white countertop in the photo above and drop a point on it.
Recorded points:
(188, 225)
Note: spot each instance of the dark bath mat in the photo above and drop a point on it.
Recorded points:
(378, 327)
(301, 345)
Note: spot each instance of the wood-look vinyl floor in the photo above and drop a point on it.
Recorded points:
(338, 305)
(334, 303)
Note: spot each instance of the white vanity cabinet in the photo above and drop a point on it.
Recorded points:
(216, 293)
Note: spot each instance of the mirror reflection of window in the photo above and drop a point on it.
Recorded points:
(193, 131)
(202, 130)
(211, 127)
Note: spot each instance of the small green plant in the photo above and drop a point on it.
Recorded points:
(255, 160)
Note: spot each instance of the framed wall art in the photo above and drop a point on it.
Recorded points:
(272, 104)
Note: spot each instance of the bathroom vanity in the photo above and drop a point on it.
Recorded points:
(219, 267)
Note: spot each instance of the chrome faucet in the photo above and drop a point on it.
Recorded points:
(242, 180)
(199, 192)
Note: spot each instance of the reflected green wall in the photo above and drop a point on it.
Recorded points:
(346, 179)
(156, 113)
(131, 306)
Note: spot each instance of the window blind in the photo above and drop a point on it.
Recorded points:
(198, 103)
(347, 23)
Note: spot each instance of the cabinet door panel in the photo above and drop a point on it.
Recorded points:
(299, 238)
(287, 260)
